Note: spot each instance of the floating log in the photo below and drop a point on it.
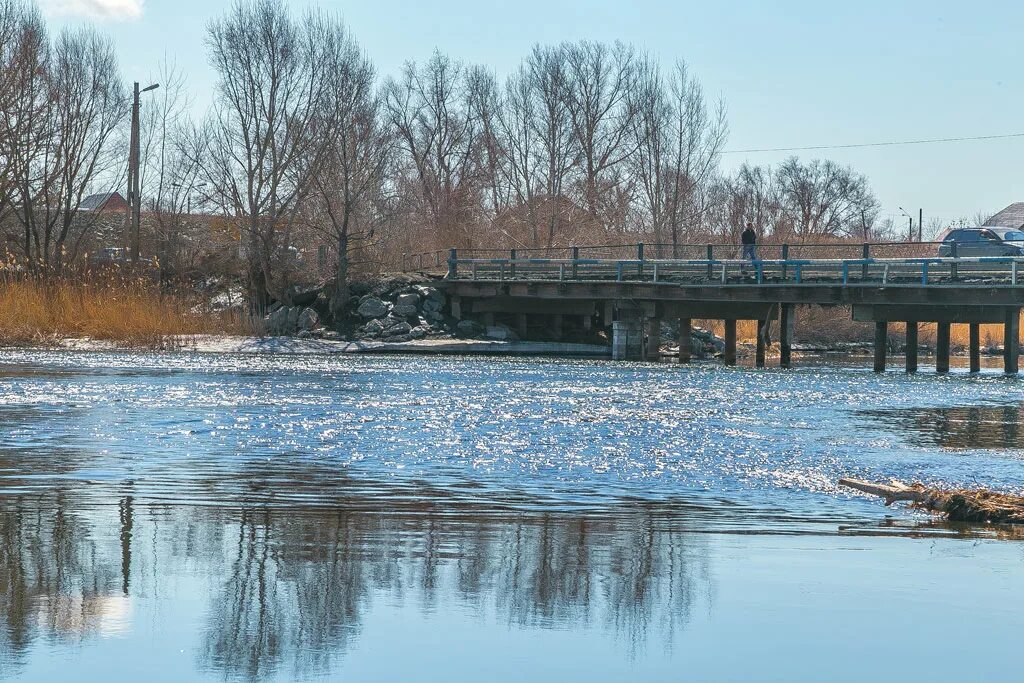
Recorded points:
(958, 505)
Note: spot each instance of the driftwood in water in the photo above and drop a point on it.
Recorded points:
(962, 505)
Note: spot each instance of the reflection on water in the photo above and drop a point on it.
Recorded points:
(275, 518)
(285, 591)
(958, 427)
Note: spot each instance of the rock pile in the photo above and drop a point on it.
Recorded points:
(291, 320)
(412, 312)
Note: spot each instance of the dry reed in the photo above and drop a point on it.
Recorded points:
(128, 312)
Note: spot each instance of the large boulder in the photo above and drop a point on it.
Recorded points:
(277, 323)
(398, 329)
(408, 299)
(308, 320)
(372, 307)
(374, 328)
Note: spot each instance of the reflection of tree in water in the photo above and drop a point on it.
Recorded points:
(291, 586)
(967, 427)
(54, 580)
(299, 584)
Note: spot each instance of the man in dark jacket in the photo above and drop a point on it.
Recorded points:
(749, 239)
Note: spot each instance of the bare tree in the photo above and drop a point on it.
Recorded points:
(349, 183)
(823, 198)
(267, 134)
(438, 133)
(597, 89)
(68, 105)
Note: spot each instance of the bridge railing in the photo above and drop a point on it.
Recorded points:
(920, 271)
(437, 261)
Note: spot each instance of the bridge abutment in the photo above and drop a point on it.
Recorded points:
(685, 340)
(1011, 341)
(628, 336)
(912, 347)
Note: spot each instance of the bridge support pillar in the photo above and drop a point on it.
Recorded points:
(556, 326)
(786, 335)
(974, 347)
(912, 346)
(652, 351)
(628, 336)
(881, 344)
(1011, 341)
(942, 348)
(762, 343)
(521, 325)
(685, 340)
(730, 342)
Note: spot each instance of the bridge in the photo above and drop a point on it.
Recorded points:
(633, 288)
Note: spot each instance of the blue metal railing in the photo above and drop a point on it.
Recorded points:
(923, 271)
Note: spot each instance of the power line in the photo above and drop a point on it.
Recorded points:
(876, 144)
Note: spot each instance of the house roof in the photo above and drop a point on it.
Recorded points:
(95, 202)
(1010, 217)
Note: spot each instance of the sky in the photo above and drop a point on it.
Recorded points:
(792, 73)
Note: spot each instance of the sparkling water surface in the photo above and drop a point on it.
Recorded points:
(273, 517)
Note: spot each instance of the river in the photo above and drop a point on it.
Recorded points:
(271, 517)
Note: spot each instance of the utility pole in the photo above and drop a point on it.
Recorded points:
(134, 181)
(920, 225)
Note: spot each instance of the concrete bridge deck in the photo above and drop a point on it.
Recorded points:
(633, 296)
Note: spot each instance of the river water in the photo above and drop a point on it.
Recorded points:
(273, 517)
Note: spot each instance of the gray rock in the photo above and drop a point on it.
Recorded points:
(432, 305)
(400, 328)
(372, 307)
(277, 323)
(305, 334)
(374, 328)
(407, 300)
(293, 319)
(417, 333)
(308, 320)
(404, 310)
(430, 293)
(397, 338)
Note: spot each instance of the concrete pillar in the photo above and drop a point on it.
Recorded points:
(881, 344)
(730, 342)
(588, 322)
(652, 351)
(786, 335)
(942, 348)
(521, 325)
(628, 336)
(455, 304)
(556, 326)
(685, 340)
(1011, 341)
(762, 343)
(974, 347)
(912, 347)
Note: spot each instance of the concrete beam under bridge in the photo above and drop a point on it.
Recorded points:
(507, 304)
(987, 315)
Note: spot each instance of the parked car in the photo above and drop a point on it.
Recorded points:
(983, 242)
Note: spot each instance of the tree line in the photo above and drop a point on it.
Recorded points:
(307, 149)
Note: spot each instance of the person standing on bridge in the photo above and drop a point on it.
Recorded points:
(749, 240)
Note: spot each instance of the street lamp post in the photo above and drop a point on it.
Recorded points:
(910, 227)
(134, 181)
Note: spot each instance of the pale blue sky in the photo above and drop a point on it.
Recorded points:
(793, 73)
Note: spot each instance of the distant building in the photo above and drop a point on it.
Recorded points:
(103, 202)
(1010, 217)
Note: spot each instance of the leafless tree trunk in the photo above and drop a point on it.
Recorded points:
(349, 184)
(67, 106)
(438, 133)
(597, 89)
(267, 134)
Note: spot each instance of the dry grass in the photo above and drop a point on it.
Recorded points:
(132, 313)
(831, 325)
